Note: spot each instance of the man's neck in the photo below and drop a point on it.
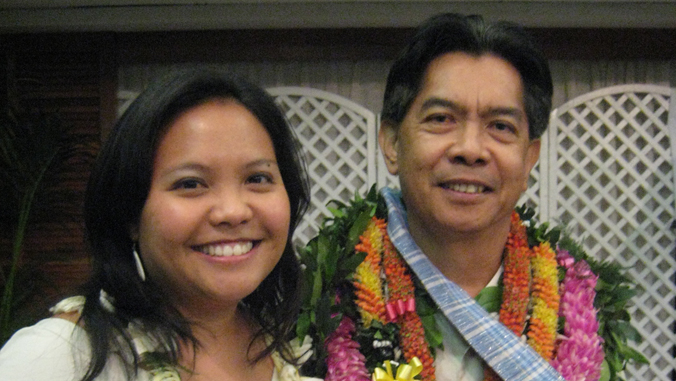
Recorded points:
(469, 260)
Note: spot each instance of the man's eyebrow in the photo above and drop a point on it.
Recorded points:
(440, 102)
(505, 111)
(489, 112)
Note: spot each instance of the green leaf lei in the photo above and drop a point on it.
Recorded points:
(329, 261)
(613, 293)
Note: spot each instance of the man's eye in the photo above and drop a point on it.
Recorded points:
(503, 126)
(439, 118)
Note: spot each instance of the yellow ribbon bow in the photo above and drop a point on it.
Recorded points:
(405, 372)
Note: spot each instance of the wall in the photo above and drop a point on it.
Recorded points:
(77, 74)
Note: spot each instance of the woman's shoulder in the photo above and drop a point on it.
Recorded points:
(60, 331)
(56, 348)
(50, 349)
(53, 329)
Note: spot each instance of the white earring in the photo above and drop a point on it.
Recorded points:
(107, 301)
(139, 265)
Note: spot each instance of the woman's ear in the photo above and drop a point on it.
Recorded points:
(388, 139)
(134, 232)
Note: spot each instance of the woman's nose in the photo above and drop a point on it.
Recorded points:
(231, 208)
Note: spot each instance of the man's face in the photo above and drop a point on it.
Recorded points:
(462, 152)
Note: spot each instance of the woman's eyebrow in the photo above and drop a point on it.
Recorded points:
(262, 163)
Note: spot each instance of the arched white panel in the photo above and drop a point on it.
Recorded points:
(339, 141)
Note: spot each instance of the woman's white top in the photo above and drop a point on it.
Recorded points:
(55, 349)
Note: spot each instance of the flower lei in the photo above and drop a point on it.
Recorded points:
(400, 307)
(530, 280)
(364, 308)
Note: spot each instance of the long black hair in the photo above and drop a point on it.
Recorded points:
(450, 32)
(116, 193)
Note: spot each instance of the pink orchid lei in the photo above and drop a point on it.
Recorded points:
(580, 352)
(344, 361)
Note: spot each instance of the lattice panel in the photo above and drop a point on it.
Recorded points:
(339, 142)
(537, 191)
(611, 163)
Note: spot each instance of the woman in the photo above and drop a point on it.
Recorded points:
(189, 212)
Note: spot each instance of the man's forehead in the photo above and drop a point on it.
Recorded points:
(463, 80)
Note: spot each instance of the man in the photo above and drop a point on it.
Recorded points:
(463, 140)
(464, 108)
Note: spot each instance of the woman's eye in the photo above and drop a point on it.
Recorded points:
(188, 184)
(260, 178)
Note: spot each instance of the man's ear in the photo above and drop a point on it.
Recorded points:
(388, 139)
(532, 156)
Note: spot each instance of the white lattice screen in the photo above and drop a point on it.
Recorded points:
(339, 141)
(610, 173)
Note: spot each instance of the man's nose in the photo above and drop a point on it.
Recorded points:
(468, 146)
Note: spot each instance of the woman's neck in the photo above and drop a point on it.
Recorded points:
(226, 350)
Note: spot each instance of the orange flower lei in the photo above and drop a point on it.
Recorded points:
(530, 276)
(400, 291)
(411, 332)
(367, 275)
(545, 299)
(516, 277)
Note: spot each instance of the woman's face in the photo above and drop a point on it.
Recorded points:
(216, 219)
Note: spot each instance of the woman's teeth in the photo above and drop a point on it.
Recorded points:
(227, 250)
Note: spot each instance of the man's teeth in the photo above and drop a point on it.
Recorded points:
(227, 250)
(467, 188)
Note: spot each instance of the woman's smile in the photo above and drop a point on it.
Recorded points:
(226, 249)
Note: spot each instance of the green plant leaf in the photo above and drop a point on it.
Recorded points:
(490, 298)
(335, 212)
(358, 227)
(432, 332)
(316, 288)
(303, 324)
(605, 371)
(348, 265)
